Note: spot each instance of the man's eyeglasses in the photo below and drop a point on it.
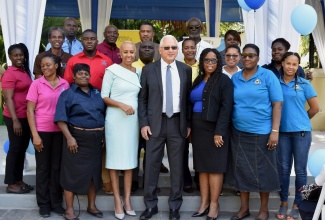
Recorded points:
(232, 55)
(173, 48)
(207, 61)
(249, 55)
(194, 27)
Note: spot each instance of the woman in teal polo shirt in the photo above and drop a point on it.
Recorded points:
(295, 130)
(254, 136)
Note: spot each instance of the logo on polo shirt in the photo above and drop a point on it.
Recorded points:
(104, 63)
(257, 82)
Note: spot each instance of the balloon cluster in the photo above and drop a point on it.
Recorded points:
(303, 17)
(248, 5)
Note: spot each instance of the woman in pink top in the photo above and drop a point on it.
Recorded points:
(47, 138)
(15, 83)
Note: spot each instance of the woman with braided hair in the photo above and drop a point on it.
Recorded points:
(15, 84)
(212, 98)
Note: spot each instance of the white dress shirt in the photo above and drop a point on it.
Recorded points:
(176, 85)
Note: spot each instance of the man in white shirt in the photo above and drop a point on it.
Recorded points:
(194, 29)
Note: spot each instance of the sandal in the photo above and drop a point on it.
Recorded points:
(282, 212)
(294, 214)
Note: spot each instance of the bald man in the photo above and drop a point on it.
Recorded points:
(108, 46)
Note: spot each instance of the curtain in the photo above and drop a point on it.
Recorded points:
(85, 14)
(216, 20)
(22, 22)
(319, 30)
(104, 14)
(269, 22)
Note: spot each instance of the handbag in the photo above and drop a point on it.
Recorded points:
(310, 192)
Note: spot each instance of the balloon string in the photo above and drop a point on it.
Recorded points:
(254, 25)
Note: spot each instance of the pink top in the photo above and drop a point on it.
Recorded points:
(18, 80)
(45, 97)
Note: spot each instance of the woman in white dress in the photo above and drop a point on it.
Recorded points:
(232, 58)
(120, 90)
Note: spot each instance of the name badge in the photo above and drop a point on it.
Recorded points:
(257, 82)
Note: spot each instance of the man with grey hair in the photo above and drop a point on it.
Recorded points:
(55, 37)
(70, 44)
(164, 118)
(194, 29)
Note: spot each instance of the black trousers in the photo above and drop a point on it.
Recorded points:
(48, 163)
(186, 170)
(17, 149)
(171, 136)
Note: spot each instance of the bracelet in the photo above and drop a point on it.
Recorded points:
(273, 130)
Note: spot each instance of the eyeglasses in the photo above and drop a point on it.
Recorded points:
(173, 48)
(207, 61)
(232, 55)
(194, 27)
(249, 55)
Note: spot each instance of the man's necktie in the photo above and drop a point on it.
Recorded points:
(169, 93)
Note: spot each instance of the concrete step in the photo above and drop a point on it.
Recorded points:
(229, 202)
(32, 214)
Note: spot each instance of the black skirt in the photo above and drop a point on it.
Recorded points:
(78, 169)
(207, 157)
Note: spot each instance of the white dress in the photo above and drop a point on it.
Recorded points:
(121, 130)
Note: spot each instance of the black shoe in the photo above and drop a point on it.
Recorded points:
(163, 169)
(188, 189)
(59, 210)
(236, 217)
(148, 213)
(197, 214)
(135, 186)
(174, 214)
(98, 214)
(44, 212)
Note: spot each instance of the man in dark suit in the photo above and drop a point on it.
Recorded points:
(164, 116)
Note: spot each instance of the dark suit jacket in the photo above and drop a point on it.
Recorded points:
(217, 105)
(151, 97)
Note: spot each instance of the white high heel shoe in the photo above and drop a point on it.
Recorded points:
(131, 212)
(120, 216)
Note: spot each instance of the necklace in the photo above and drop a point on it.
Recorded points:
(53, 83)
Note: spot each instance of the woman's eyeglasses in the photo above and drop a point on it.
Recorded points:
(173, 48)
(249, 55)
(232, 55)
(207, 61)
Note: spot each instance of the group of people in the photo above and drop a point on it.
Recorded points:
(96, 109)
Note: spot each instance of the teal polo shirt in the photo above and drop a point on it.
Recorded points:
(294, 115)
(253, 99)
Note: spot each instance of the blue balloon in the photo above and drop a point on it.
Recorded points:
(316, 160)
(6, 146)
(243, 5)
(304, 19)
(254, 4)
(30, 149)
